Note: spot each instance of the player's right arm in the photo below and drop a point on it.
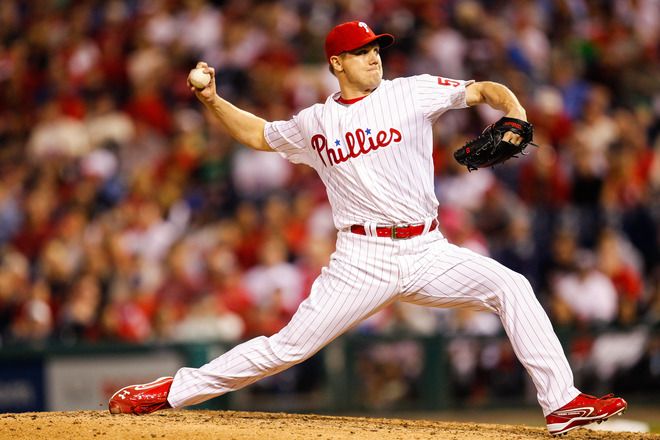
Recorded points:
(244, 127)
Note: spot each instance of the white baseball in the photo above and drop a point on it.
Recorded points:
(199, 78)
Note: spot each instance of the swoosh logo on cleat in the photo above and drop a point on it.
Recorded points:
(575, 412)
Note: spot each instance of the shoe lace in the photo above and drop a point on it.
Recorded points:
(606, 396)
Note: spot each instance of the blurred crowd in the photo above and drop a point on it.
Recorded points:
(127, 215)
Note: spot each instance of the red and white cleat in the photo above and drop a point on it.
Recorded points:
(583, 410)
(141, 399)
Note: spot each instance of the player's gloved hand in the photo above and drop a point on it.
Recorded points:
(208, 93)
(500, 141)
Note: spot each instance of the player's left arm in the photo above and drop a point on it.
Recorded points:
(499, 97)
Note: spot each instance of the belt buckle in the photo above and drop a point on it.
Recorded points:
(394, 229)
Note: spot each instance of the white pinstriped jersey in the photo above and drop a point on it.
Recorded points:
(374, 156)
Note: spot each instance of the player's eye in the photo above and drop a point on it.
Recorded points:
(365, 50)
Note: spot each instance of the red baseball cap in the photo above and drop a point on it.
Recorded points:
(351, 35)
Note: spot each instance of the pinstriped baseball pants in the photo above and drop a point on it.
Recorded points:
(367, 273)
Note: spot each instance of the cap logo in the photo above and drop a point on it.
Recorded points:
(364, 25)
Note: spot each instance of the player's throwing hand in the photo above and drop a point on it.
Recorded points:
(206, 93)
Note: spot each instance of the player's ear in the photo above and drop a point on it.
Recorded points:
(335, 62)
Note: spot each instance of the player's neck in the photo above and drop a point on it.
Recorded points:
(354, 86)
(349, 96)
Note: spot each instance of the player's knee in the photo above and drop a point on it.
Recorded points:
(286, 352)
(519, 283)
(510, 282)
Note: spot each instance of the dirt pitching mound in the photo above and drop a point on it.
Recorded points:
(202, 425)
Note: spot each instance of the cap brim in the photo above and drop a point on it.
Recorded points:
(384, 40)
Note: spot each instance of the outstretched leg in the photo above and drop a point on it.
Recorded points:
(348, 291)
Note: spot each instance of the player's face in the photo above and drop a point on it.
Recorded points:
(363, 67)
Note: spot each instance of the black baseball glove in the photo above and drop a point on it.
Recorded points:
(489, 149)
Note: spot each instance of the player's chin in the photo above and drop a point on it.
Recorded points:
(374, 79)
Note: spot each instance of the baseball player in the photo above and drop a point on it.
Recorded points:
(371, 144)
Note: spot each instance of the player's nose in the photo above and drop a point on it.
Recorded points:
(373, 56)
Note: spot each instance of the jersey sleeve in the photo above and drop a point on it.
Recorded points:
(287, 138)
(435, 94)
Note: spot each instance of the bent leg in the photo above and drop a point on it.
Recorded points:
(457, 277)
(342, 296)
